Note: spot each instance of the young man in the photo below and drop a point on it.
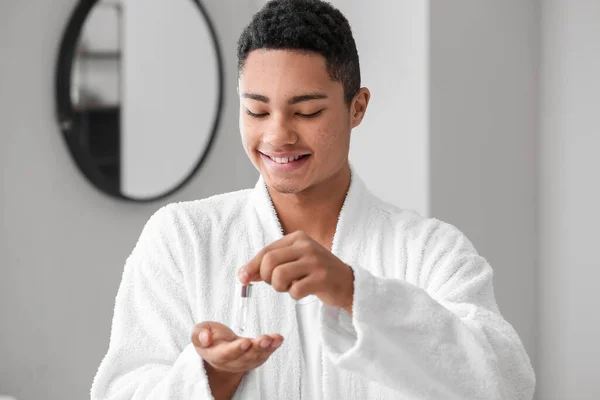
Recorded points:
(352, 297)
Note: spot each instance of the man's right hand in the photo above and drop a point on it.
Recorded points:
(227, 356)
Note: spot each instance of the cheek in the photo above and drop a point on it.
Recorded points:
(334, 139)
(334, 143)
(248, 133)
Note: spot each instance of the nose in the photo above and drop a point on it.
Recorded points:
(279, 133)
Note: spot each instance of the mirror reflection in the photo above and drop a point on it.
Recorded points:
(144, 93)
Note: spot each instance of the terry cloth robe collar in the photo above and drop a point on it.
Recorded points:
(274, 312)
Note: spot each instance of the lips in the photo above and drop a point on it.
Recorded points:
(286, 158)
(285, 163)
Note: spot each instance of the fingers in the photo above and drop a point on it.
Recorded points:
(243, 353)
(267, 342)
(277, 340)
(251, 271)
(230, 351)
(238, 355)
(284, 275)
(202, 335)
(302, 288)
(209, 334)
(261, 267)
(276, 259)
(206, 333)
(205, 338)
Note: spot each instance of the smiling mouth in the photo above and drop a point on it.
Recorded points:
(286, 160)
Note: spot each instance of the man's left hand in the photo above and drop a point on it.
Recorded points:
(299, 265)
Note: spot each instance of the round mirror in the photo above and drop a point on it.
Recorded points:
(139, 93)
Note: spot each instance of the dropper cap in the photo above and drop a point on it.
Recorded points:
(246, 290)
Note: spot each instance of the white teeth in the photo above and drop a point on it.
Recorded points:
(284, 160)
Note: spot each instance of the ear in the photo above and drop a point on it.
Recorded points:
(358, 108)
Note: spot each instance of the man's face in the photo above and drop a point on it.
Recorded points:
(294, 123)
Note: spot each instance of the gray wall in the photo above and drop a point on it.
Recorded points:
(63, 243)
(569, 272)
(483, 138)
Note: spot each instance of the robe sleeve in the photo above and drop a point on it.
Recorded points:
(443, 339)
(150, 355)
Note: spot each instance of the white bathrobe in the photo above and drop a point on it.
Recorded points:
(425, 323)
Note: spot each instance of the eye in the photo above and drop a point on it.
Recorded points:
(310, 115)
(250, 113)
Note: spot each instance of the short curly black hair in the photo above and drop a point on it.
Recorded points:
(306, 26)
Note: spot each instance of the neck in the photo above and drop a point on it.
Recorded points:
(315, 210)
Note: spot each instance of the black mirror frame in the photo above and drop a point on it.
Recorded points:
(65, 110)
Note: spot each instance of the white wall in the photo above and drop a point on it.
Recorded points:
(569, 273)
(390, 148)
(62, 243)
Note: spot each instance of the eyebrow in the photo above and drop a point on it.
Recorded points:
(292, 101)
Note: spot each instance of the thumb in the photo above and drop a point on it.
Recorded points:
(205, 337)
(221, 332)
(202, 335)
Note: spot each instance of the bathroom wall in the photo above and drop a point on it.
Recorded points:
(484, 61)
(447, 134)
(62, 242)
(569, 216)
(390, 149)
(452, 126)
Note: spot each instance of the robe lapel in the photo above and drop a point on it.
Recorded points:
(276, 312)
(271, 311)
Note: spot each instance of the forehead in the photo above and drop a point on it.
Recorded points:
(285, 70)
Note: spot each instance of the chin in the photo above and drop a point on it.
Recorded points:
(285, 186)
